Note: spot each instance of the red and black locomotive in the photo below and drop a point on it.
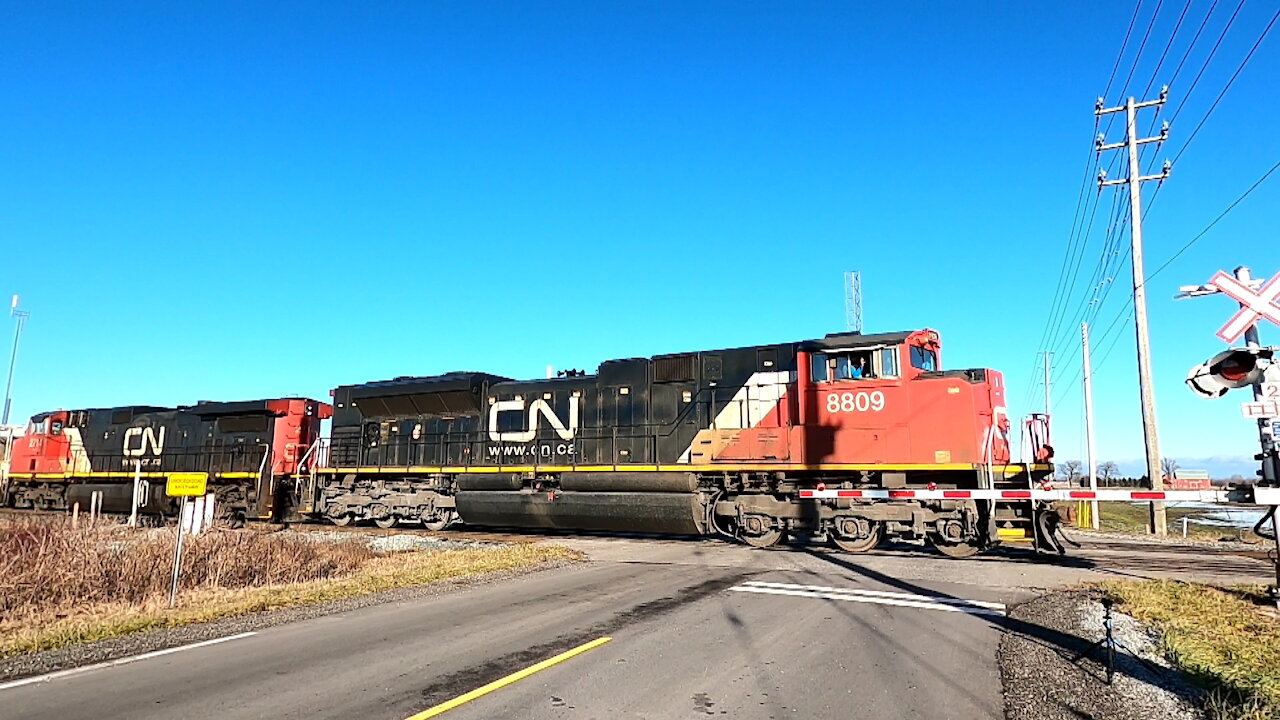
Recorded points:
(247, 449)
(709, 442)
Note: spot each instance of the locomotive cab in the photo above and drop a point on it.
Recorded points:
(886, 399)
(45, 447)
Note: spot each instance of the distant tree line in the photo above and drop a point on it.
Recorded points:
(1073, 472)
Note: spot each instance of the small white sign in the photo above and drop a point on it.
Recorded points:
(1271, 390)
(1264, 409)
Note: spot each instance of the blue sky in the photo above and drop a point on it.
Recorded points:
(253, 199)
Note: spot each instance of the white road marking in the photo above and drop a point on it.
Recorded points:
(121, 661)
(879, 597)
(881, 593)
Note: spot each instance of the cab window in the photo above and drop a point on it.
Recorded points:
(845, 366)
(818, 368)
(854, 366)
(924, 359)
(889, 362)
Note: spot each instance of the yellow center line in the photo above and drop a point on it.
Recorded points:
(503, 682)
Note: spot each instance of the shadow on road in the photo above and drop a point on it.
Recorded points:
(1066, 645)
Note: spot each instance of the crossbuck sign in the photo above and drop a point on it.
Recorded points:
(1254, 305)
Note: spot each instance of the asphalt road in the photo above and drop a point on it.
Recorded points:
(697, 628)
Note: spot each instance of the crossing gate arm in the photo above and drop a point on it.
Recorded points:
(1240, 495)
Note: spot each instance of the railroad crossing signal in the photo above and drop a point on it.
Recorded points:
(1228, 370)
(1254, 305)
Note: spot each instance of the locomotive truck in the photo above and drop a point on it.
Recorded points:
(733, 442)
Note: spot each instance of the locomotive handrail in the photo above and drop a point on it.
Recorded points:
(216, 460)
(302, 463)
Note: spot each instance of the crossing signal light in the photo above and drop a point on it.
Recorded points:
(1228, 370)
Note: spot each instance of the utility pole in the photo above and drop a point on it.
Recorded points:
(1134, 181)
(20, 318)
(853, 301)
(1088, 422)
(1048, 356)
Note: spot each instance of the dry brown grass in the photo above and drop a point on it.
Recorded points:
(46, 565)
(61, 586)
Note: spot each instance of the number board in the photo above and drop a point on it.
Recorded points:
(186, 484)
(1271, 390)
(861, 401)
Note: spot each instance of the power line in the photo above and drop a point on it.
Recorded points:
(1127, 35)
(1221, 215)
(1195, 39)
(1101, 271)
(1172, 36)
(1106, 354)
(1059, 312)
(1209, 59)
(1182, 250)
(1136, 9)
(1073, 236)
(1218, 99)
(1227, 87)
(1138, 57)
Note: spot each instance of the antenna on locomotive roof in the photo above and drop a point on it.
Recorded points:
(853, 301)
(551, 371)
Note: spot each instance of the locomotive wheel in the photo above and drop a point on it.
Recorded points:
(342, 520)
(439, 521)
(860, 545)
(386, 523)
(768, 539)
(955, 550)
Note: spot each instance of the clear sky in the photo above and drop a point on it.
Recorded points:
(235, 200)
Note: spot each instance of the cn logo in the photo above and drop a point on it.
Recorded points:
(146, 438)
(537, 408)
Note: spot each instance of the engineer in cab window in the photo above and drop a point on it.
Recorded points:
(860, 369)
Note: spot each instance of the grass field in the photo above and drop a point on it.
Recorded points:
(61, 586)
(1227, 639)
(1132, 518)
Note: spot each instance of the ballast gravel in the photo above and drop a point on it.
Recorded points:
(138, 643)
(393, 543)
(1042, 683)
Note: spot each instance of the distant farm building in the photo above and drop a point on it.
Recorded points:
(1189, 480)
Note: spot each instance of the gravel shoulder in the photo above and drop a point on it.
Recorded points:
(142, 642)
(1041, 682)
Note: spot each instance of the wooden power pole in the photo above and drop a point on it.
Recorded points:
(1134, 181)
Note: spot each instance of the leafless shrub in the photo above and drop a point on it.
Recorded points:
(51, 568)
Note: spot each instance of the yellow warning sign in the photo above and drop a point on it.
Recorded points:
(186, 484)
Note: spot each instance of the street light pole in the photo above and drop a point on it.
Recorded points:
(20, 318)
